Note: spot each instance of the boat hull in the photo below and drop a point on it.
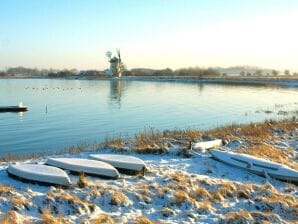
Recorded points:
(91, 167)
(13, 109)
(41, 174)
(256, 165)
(207, 145)
(123, 163)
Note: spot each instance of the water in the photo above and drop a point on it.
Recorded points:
(67, 112)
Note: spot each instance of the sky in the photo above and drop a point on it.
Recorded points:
(150, 33)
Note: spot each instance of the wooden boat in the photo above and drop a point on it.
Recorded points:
(121, 162)
(39, 173)
(256, 165)
(87, 166)
(203, 146)
(13, 109)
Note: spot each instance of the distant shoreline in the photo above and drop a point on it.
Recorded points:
(288, 81)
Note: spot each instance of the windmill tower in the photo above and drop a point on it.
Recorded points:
(115, 63)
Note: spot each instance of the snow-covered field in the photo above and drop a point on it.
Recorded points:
(174, 190)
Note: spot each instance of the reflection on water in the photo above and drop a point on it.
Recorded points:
(67, 112)
(21, 114)
(116, 89)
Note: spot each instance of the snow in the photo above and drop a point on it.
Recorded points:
(207, 144)
(39, 172)
(84, 165)
(156, 195)
(121, 161)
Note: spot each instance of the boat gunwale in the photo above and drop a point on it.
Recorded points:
(291, 179)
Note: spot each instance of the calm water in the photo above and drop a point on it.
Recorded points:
(79, 111)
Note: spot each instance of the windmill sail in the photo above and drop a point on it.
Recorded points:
(119, 56)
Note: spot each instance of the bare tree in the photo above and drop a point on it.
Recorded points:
(274, 72)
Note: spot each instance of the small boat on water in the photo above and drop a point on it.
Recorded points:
(13, 109)
(87, 166)
(121, 162)
(39, 173)
(19, 108)
(256, 165)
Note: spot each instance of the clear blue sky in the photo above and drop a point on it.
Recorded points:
(151, 33)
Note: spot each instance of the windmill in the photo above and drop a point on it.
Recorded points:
(116, 65)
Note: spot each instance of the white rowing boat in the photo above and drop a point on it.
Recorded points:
(122, 162)
(85, 165)
(39, 173)
(256, 165)
(207, 145)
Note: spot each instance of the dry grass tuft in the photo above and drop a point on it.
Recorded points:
(103, 219)
(217, 197)
(72, 202)
(150, 141)
(5, 189)
(48, 218)
(270, 153)
(10, 218)
(179, 177)
(180, 196)
(115, 143)
(205, 207)
(185, 135)
(142, 220)
(19, 201)
(243, 216)
(82, 181)
(227, 189)
(118, 198)
(201, 194)
(267, 217)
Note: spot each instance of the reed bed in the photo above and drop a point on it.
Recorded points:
(152, 141)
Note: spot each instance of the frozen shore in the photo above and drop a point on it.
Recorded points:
(176, 189)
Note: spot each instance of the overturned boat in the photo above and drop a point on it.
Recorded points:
(87, 166)
(207, 144)
(256, 165)
(122, 162)
(39, 173)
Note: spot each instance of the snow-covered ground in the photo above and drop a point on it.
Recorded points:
(174, 190)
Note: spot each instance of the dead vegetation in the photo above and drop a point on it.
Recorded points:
(82, 181)
(157, 142)
(118, 198)
(48, 218)
(74, 205)
(103, 219)
(242, 216)
(6, 190)
(10, 218)
(150, 141)
(143, 220)
(19, 201)
(117, 143)
(271, 153)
